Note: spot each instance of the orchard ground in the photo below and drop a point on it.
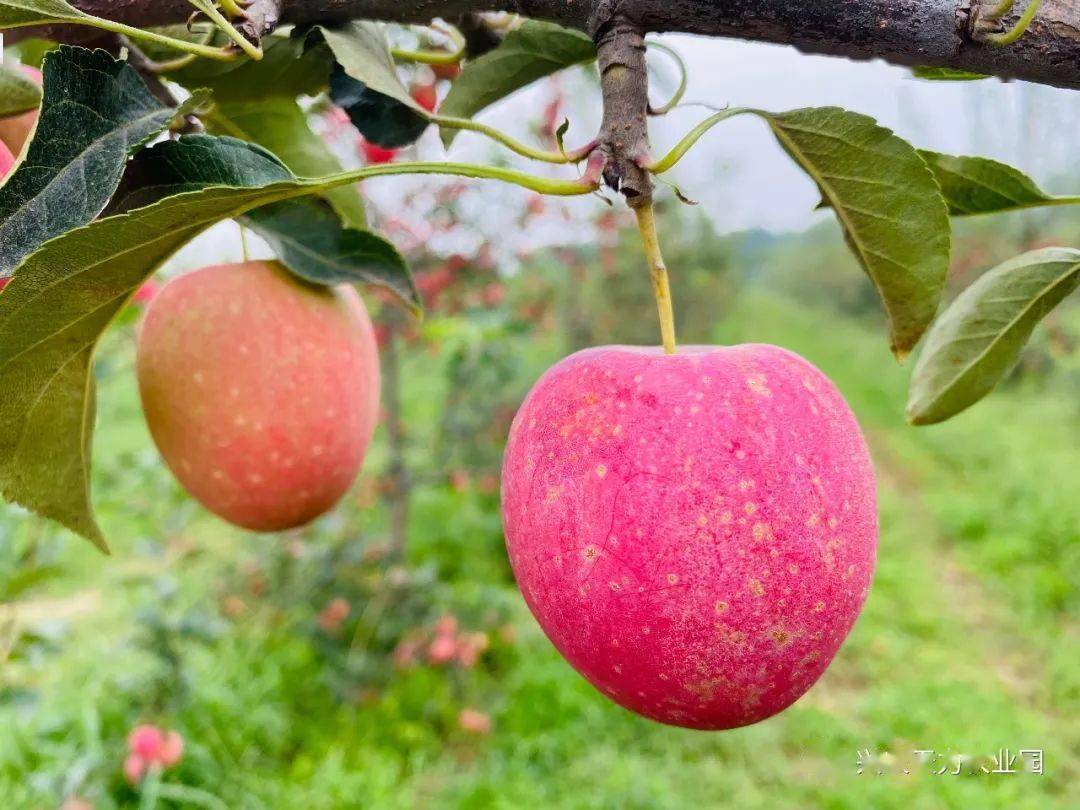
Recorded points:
(303, 669)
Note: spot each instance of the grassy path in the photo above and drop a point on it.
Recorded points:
(967, 645)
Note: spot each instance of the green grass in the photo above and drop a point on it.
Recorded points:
(966, 645)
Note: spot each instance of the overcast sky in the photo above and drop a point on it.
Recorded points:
(741, 177)
(737, 173)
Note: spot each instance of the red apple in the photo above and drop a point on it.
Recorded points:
(695, 533)
(261, 391)
(15, 130)
(425, 95)
(134, 767)
(145, 740)
(447, 71)
(375, 154)
(474, 721)
(172, 749)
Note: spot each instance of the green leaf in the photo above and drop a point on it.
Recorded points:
(892, 213)
(17, 93)
(288, 69)
(192, 163)
(366, 85)
(307, 235)
(942, 74)
(531, 52)
(15, 13)
(979, 337)
(278, 124)
(95, 112)
(27, 577)
(309, 239)
(381, 119)
(361, 50)
(976, 185)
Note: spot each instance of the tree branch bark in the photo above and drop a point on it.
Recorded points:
(907, 32)
(624, 132)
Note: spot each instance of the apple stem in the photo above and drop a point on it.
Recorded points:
(209, 9)
(243, 242)
(1018, 30)
(425, 57)
(658, 271)
(511, 143)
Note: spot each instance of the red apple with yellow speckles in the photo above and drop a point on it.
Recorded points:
(695, 533)
(260, 390)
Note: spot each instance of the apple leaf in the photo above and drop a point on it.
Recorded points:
(943, 74)
(309, 239)
(366, 85)
(979, 337)
(383, 120)
(307, 235)
(95, 112)
(289, 68)
(17, 93)
(361, 49)
(528, 53)
(278, 124)
(16, 13)
(976, 185)
(889, 206)
(191, 163)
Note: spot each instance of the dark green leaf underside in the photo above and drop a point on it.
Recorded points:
(95, 112)
(278, 124)
(361, 49)
(366, 85)
(380, 118)
(308, 237)
(306, 234)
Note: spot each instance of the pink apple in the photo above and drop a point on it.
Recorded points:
(335, 612)
(145, 294)
(474, 721)
(261, 391)
(425, 95)
(15, 130)
(172, 749)
(695, 533)
(7, 160)
(442, 650)
(145, 741)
